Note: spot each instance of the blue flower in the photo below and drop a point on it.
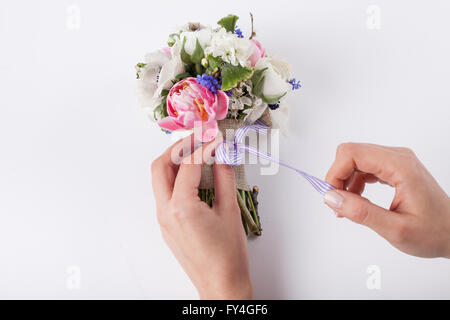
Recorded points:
(229, 93)
(295, 84)
(238, 32)
(209, 82)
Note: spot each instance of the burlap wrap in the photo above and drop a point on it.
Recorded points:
(207, 181)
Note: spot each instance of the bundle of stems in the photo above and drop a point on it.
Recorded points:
(248, 203)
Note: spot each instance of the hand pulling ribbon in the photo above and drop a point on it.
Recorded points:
(232, 153)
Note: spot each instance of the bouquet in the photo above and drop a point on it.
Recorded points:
(214, 79)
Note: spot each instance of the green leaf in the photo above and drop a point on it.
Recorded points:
(198, 69)
(182, 76)
(164, 93)
(258, 80)
(138, 68)
(161, 109)
(229, 22)
(232, 75)
(185, 57)
(198, 53)
(172, 39)
(272, 100)
(214, 63)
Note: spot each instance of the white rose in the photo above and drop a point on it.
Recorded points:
(230, 48)
(276, 77)
(157, 74)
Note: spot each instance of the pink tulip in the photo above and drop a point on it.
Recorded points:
(193, 106)
(258, 53)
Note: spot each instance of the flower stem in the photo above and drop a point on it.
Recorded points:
(247, 205)
(253, 210)
(246, 214)
(245, 225)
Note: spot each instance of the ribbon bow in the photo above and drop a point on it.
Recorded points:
(233, 152)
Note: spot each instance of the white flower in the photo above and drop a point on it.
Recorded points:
(157, 74)
(203, 35)
(279, 117)
(238, 103)
(276, 76)
(230, 48)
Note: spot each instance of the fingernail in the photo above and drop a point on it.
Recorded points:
(334, 199)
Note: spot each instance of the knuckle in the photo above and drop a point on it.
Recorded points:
(361, 212)
(162, 219)
(347, 147)
(408, 155)
(408, 151)
(180, 212)
(172, 215)
(175, 212)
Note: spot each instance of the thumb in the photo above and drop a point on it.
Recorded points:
(361, 211)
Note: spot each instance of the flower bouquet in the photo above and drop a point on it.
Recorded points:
(209, 79)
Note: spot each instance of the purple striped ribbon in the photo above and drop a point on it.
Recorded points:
(233, 152)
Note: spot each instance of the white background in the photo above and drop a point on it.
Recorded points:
(75, 148)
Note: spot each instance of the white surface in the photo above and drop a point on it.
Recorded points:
(76, 149)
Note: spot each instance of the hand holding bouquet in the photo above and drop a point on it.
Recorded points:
(210, 79)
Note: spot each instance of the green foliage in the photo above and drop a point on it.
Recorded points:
(185, 57)
(193, 63)
(139, 66)
(214, 64)
(258, 81)
(182, 76)
(198, 53)
(229, 22)
(232, 75)
(161, 109)
(172, 39)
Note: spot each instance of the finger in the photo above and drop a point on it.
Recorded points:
(362, 211)
(359, 180)
(384, 163)
(189, 173)
(165, 168)
(224, 185)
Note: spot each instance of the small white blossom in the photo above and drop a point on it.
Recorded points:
(230, 48)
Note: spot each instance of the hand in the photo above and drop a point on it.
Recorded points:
(209, 243)
(418, 221)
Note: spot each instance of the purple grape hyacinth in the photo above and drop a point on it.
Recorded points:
(209, 82)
